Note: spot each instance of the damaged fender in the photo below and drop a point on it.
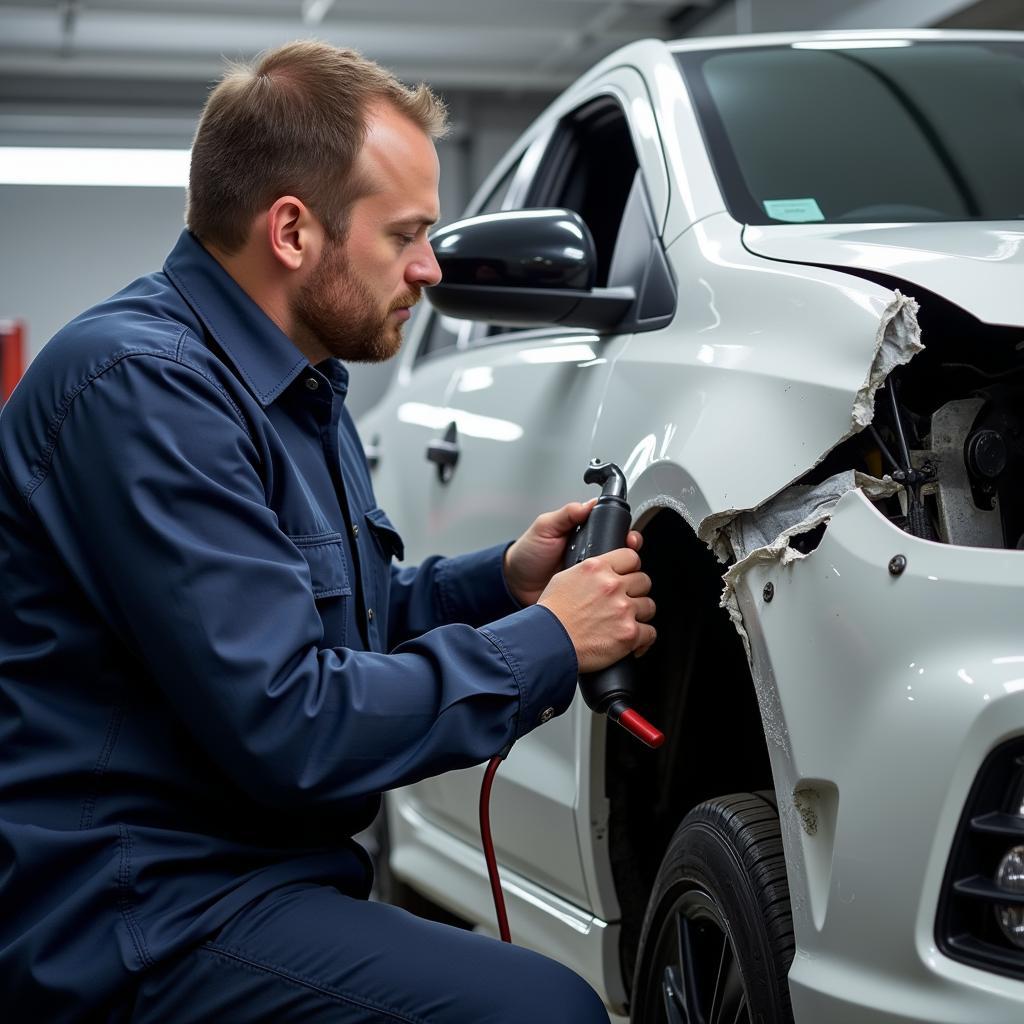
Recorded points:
(765, 369)
(764, 534)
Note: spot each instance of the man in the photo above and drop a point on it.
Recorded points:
(197, 710)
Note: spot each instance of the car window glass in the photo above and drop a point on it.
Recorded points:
(591, 169)
(447, 332)
(493, 202)
(916, 131)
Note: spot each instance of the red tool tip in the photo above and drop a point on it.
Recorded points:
(636, 724)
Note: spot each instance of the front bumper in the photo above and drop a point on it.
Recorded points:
(881, 697)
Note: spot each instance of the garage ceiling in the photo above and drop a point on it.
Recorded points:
(488, 44)
(136, 72)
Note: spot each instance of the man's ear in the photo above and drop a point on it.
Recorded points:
(294, 234)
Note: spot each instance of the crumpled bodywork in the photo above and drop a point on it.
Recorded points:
(762, 536)
(897, 341)
(764, 371)
(837, 672)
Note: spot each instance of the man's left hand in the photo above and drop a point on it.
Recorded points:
(538, 554)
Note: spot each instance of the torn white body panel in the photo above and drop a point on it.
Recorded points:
(829, 669)
(762, 536)
(757, 379)
(898, 340)
(855, 670)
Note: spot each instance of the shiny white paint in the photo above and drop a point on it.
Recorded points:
(868, 687)
(453, 873)
(524, 411)
(752, 383)
(694, 193)
(976, 266)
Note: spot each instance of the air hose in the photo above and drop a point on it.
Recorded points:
(488, 845)
(608, 692)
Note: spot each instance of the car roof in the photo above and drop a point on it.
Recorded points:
(646, 53)
(787, 38)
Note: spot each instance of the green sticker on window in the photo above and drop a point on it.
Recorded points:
(797, 211)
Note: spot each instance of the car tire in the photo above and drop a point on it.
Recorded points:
(717, 939)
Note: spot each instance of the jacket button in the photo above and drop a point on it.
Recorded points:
(355, 529)
(369, 614)
(312, 383)
(546, 715)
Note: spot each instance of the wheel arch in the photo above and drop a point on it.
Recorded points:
(695, 684)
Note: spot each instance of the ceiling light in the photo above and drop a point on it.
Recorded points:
(313, 11)
(49, 165)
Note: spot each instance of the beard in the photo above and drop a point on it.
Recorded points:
(343, 315)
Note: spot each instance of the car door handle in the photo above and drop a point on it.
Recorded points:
(372, 452)
(445, 452)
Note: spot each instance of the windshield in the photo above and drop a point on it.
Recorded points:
(864, 131)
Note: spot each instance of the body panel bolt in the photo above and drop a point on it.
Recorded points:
(769, 591)
(897, 564)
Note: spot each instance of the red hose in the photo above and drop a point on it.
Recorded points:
(488, 845)
(619, 712)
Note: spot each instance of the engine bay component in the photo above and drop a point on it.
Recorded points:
(960, 519)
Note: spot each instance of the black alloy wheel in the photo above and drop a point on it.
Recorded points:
(717, 939)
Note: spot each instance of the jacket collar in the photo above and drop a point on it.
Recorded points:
(264, 356)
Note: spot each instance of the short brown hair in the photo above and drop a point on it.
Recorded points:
(291, 125)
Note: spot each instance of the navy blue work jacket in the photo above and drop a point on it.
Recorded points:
(197, 703)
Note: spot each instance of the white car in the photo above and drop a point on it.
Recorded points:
(779, 280)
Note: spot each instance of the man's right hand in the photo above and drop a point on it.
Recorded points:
(602, 602)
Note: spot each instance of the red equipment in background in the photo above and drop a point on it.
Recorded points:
(12, 356)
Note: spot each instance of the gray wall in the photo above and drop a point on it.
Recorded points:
(63, 249)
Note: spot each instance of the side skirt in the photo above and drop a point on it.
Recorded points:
(453, 874)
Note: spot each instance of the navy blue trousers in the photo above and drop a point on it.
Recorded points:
(309, 953)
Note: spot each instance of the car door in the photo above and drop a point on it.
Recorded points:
(521, 409)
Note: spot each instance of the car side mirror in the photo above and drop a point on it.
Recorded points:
(524, 268)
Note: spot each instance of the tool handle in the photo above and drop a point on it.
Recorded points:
(610, 690)
(607, 526)
(605, 531)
